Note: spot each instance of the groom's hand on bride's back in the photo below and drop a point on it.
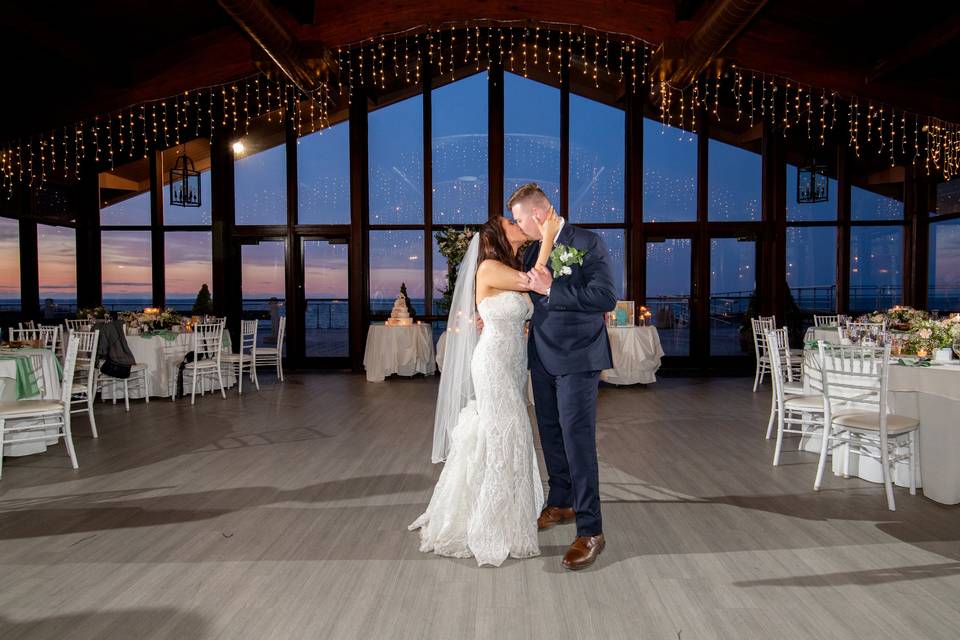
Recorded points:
(479, 324)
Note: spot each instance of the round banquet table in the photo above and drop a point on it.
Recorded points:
(404, 351)
(931, 394)
(636, 355)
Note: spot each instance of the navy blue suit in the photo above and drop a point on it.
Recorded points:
(567, 349)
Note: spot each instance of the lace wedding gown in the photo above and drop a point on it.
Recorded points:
(489, 494)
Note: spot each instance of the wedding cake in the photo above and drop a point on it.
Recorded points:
(400, 316)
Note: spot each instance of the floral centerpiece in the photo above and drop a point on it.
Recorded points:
(453, 244)
(899, 318)
(93, 313)
(151, 319)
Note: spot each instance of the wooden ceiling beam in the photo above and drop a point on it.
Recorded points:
(921, 45)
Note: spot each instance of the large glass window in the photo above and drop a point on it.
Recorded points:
(944, 198)
(325, 281)
(396, 163)
(263, 277)
(944, 267)
(812, 268)
(596, 161)
(616, 249)
(188, 266)
(885, 204)
(126, 268)
(125, 209)
(876, 263)
(734, 180)
(669, 173)
(733, 281)
(57, 266)
(260, 178)
(531, 144)
(323, 175)
(396, 259)
(9, 264)
(796, 211)
(668, 292)
(459, 147)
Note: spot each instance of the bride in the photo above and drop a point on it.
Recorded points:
(486, 502)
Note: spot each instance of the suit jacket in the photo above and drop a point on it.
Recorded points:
(568, 331)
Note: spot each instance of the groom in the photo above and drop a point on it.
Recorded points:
(567, 349)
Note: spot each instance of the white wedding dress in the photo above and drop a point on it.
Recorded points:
(489, 494)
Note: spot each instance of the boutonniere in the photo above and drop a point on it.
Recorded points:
(562, 259)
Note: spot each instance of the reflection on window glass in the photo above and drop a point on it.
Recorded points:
(812, 268)
(396, 258)
(616, 249)
(260, 185)
(57, 266)
(325, 281)
(870, 205)
(668, 293)
(669, 173)
(733, 281)
(188, 266)
(734, 177)
(439, 280)
(460, 151)
(596, 161)
(9, 265)
(323, 175)
(263, 279)
(132, 209)
(944, 198)
(944, 267)
(876, 267)
(126, 269)
(396, 163)
(177, 215)
(531, 143)
(826, 210)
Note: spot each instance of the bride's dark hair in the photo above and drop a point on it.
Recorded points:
(494, 244)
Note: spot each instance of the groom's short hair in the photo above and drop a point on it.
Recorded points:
(527, 192)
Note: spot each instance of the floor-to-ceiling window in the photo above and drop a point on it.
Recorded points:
(396, 237)
(531, 140)
(9, 265)
(57, 270)
(811, 247)
(876, 247)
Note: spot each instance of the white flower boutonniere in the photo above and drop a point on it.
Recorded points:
(562, 259)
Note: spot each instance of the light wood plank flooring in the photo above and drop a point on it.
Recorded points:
(283, 515)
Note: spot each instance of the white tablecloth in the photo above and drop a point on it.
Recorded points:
(931, 394)
(162, 357)
(8, 392)
(636, 355)
(405, 351)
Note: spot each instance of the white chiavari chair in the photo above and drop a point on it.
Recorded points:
(858, 376)
(826, 321)
(84, 390)
(760, 327)
(207, 352)
(796, 414)
(273, 356)
(245, 359)
(42, 416)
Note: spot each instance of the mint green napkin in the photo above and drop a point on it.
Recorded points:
(166, 334)
(26, 380)
(922, 362)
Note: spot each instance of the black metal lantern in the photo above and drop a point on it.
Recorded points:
(184, 183)
(813, 185)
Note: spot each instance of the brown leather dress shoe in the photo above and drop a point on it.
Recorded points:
(555, 515)
(583, 552)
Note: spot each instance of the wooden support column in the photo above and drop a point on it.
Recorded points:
(88, 238)
(359, 230)
(565, 135)
(426, 77)
(295, 295)
(633, 196)
(772, 278)
(227, 288)
(157, 240)
(843, 230)
(495, 137)
(916, 239)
